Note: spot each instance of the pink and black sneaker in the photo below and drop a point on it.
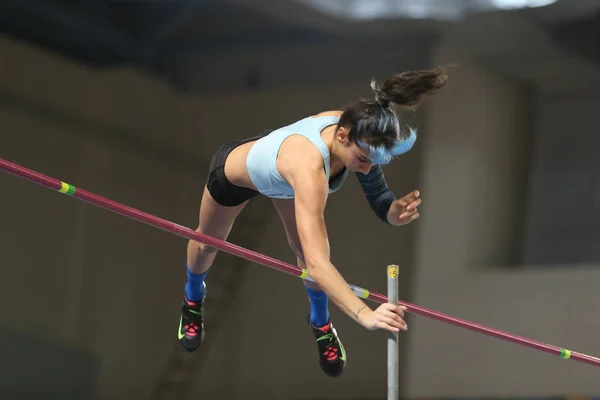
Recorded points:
(191, 324)
(332, 355)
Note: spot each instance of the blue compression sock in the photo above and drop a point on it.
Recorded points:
(194, 287)
(319, 313)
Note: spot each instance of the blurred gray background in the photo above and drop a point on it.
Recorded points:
(129, 99)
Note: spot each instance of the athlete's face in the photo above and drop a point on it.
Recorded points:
(354, 158)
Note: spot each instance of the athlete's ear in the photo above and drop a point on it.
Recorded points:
(342, 134)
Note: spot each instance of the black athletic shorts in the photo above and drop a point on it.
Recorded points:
(224, 192)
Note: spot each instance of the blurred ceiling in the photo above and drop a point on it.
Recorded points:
(533, 43)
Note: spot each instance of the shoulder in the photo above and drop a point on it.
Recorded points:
(300, 161)
(298, 151)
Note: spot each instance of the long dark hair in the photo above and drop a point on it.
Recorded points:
(374, 123)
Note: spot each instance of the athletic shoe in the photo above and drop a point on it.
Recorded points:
(332, 355)
(191, 324)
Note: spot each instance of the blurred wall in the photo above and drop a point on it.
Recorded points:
(563, 221)
(111, 287)
(476, 162)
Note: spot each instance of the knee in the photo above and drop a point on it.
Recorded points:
(200, 248)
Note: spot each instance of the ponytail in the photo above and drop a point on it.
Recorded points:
(408, 89)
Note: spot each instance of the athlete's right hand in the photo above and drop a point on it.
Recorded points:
(387, 316)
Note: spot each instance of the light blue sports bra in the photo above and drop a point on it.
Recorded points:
(262, 157)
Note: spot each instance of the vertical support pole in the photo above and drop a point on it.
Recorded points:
(392, 341)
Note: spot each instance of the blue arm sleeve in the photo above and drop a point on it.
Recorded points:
(378, 194)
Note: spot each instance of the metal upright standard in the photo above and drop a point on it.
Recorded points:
(392, 341)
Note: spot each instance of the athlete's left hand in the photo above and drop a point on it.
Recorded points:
(404, 210)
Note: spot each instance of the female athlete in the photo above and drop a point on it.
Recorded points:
(298, 166)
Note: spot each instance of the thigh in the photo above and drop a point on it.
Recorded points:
(216, 220)
(287, 213)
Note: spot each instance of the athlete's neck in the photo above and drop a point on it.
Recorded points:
(335, 164)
